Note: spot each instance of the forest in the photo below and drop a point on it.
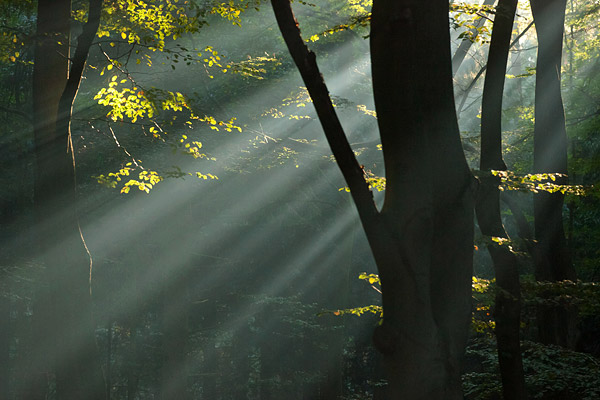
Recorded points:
(299, 199)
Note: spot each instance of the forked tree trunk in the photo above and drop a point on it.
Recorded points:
(507, 309)
(422, 240)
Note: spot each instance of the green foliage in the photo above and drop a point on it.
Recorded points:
(551, 372)
(151, 22)
(539, 182)
(483, 292)
(466, 17)
(145, 179)
(371, 278)
(131, 103)
(358, 311)
(583, 295)
(375, 182)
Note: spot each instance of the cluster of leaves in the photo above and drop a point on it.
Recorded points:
(372, 280)
(145, 179)
(375, 182)
(516, 246)
(150, 23)
(358, 17)
(253, 67)
(132, 103)
(298, 99)
(582, 40)
(539, 182)
(134, 30)
(483, 291)
(363, 109)
(16, 27)
(510, 180)
(192, 147)
(9, 47)
(466, 17)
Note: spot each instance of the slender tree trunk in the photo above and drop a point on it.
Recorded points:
(507, 310)
(553, 261)
(422, 240)
(550, 140)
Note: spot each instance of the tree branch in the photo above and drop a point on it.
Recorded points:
(465, 93)
(84, 42)
(307, 65)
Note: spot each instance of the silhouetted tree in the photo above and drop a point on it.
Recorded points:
(422, 239)
(552, 258)
(507, 306)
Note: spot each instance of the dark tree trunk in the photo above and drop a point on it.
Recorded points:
(422, 240)
(550, 140)
(428, 209)
(64, 337)
(507, 310)
(552, 261)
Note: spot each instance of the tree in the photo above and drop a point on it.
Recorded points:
(508, 297)
(552, 258)
(422, 239)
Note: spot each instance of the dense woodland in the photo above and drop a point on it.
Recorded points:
(315, 200)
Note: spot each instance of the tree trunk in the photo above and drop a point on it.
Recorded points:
(550, 140)
(553, 262)
(428, 203)
(63, 325)
(422, 240)
(507, 310)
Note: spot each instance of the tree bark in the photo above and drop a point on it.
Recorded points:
(553, 261)
(422, 239)
(550, 140)
(507, 309)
